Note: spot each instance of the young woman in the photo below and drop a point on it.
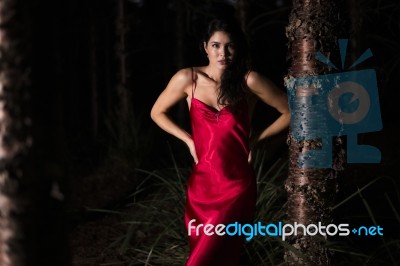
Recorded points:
(221, 97)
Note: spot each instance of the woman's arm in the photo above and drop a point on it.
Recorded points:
(176, 90)
(269, 93)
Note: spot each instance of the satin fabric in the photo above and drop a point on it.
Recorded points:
(222, 186)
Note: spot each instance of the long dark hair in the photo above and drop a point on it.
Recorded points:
(233, 87)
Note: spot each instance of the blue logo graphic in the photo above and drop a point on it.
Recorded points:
(338, 104)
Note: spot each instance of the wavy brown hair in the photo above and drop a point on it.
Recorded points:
(233, 86)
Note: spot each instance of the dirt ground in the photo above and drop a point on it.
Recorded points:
(92, 233)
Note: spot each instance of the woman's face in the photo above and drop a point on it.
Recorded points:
(220, 49)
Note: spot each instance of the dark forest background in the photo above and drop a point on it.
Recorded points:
(97, 68)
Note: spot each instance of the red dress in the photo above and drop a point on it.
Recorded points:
(222, 186)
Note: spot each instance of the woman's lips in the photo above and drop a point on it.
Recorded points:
(224, 62)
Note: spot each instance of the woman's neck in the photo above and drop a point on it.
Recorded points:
(214, 73)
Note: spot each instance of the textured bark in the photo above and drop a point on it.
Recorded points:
(311, 191)
(15, 140)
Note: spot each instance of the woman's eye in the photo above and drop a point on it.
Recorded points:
(215, 45)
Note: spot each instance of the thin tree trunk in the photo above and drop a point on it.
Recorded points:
(356, 29)
(15, 138)
(356, 26)
(180, 51)
(311, 191)
(93, 70)
(122, 78)
(108, 64)
(242, 7)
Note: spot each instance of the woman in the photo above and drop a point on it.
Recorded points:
(221, 97)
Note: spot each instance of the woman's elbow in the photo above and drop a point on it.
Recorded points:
(155, 114)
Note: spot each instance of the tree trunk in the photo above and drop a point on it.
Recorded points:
(242, 7)
(15, 138)
(311, 191)
(93, 71)
(181, 20)
(122, 78)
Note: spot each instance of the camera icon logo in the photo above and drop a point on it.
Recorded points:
(325, 106)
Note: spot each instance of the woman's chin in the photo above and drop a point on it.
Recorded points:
(222, 66)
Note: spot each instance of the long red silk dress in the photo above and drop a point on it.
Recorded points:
(222, 186)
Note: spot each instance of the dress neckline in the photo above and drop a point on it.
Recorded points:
(211, 107)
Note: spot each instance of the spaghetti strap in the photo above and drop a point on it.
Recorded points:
(222, 187)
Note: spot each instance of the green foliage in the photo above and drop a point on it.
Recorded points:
(130, 140)
(156, 233)
(385, 249)
(156, 230)
(265, 250)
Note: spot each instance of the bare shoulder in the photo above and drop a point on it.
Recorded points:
(252, 78)
(257, 82)
(182, 80)
(184, 75)
(267, 91)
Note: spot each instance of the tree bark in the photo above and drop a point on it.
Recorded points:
(15, 137)
(313, 26)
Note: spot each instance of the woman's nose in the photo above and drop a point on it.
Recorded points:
(225, 52)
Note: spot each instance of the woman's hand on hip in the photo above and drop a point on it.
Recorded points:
(192, 150)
